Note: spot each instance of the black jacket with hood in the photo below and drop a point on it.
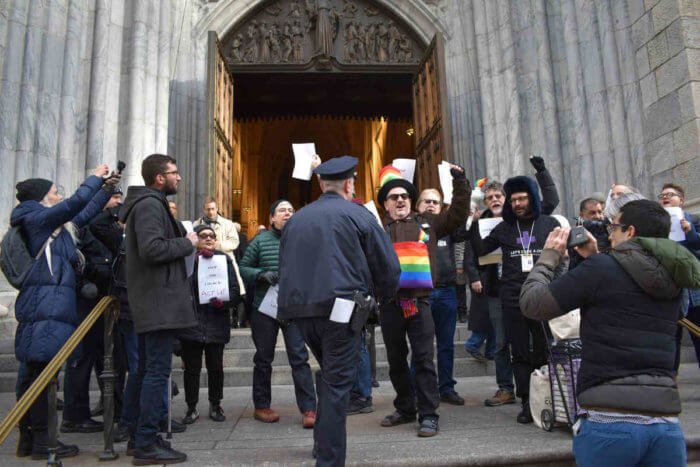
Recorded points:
(159, 291)
(516, 237)
(630, 301)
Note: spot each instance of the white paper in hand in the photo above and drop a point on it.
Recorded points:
(303, 159)
(445, 181)
(212, 279)
(342, 310)
(371, 207)
(677, 233)
(407, 167)
(268, 306)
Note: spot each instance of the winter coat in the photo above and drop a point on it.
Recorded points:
(692, 238)
(435, 226)
(330, 249)
(630, 301)
(227, 241)
(262, 254)
(159, 291)
(46, 305)
(214, 324)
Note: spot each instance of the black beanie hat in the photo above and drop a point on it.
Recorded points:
(275, 204)
(201, 227)
(33, 189)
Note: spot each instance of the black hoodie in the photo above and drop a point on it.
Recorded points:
(516, 237)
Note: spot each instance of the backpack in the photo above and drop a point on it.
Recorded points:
(15, 259)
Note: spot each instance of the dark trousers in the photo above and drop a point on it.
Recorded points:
(461, 290)
(192, 358)
(38, 415)
(76, 380)
(519, 331)
(443, 305)
(420, 331)
(265, 331)
(337, 349)
(143, 398)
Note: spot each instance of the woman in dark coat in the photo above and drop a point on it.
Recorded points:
(46, 305)
(209, 337)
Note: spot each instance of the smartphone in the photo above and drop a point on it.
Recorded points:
(577, 237)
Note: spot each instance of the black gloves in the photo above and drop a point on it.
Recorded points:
(269, 277)
(537, 163)
(457, 174)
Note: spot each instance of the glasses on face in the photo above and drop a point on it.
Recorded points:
(611, 227)
(431, 201)
(518, 200)
(668, 194)
(395, 197)
(207, 236)
(494, 197)
(174, 172)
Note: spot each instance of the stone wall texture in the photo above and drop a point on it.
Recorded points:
(605, 90)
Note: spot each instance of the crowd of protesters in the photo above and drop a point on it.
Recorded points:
(423, 262)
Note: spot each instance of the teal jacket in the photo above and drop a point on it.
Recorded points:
(263, 254)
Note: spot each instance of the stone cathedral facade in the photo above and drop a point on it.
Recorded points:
(604, 90)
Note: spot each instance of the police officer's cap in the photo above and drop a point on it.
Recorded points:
(338, 168)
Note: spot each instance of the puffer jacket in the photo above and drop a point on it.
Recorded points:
(263, 254)
(46, 305)
(630, 301)
(214, 323)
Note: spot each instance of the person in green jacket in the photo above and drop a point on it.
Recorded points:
(260, 266)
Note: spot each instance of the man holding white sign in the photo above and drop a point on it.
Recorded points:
(216, 289)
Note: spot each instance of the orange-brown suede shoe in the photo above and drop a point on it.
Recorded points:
(266, 415)
(308, 419)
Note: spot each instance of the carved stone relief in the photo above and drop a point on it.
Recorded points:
(298, 31)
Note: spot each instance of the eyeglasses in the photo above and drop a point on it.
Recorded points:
(395, 197)
(611, 227)
(669, 194)
(519, 199)
(174, 172)
(431, 201)
(207, 236)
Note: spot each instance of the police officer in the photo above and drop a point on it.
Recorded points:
(330, 249)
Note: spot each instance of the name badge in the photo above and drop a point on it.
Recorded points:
(528, 262)
(442, 243)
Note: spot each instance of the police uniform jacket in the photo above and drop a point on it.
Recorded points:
(330, 249)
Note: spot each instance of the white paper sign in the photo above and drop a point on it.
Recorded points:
(371, 207)
(485, 228)
(268, 306)
(407, 167)
(303, 159)
(342, 310)
(188, 226)
(445, 181)
(677, 233)
(212, 279)
(563, 221)
(189, 260)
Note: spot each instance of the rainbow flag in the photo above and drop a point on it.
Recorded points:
(481, 182)
(415, 265)
(423, 236)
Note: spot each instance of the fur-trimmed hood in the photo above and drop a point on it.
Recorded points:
(515, 185)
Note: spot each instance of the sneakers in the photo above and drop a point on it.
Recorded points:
(308, 419)
(359, 405)
(266, 415)
(86, 426)
(157, 454)
(216, 413)
(451, 397)
(500, 398)
(397, 419)
(428, 426)
(525, 416)
(476, 355)
(191, 416)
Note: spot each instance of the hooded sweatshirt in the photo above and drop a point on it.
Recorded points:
(630, 301)
(516, 237)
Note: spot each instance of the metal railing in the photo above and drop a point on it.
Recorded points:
(109, 306)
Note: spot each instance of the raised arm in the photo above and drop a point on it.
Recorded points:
(450, 220)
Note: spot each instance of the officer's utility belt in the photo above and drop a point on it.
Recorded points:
(364, 305)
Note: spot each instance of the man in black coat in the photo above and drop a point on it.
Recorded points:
(160, 298)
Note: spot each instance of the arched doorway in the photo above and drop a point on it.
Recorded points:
(348, 75)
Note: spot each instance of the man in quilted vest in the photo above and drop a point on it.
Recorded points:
(408, 313)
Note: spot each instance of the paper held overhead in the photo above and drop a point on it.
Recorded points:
(407, 167)
(677, 232)
(303, 159)
(445, 181)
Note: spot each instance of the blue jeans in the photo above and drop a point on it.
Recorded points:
(131, 349)
(626, 444)
(143, 398)
(477, 339)
(363, 380)
(443, 304)
(504, 367)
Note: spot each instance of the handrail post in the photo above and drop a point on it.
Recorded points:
(52, 425)
(108, 377)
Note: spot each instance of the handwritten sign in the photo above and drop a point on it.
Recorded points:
(445, 181)
(212, 279)
(303, 159)
(485, 228)
(677, 216)
(407, 167)
(268, 306)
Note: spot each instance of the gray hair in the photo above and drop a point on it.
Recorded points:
(612, 210)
